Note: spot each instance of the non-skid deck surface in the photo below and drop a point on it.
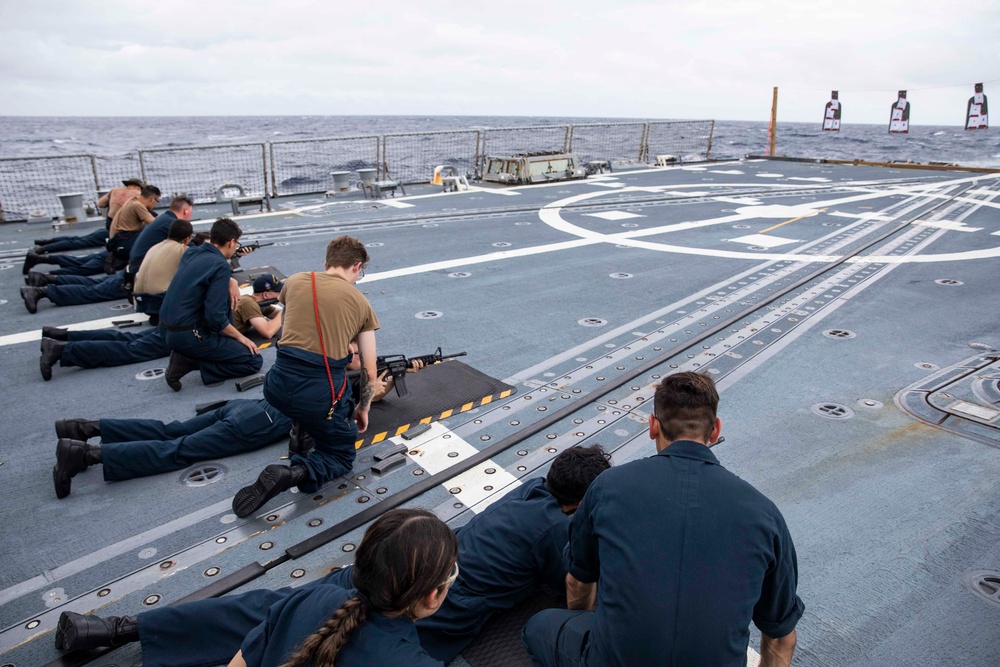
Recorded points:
(436, 392)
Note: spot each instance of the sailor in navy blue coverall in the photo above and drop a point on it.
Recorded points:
(141, 447)
(195, 314)
(505, 554)
(683, 554)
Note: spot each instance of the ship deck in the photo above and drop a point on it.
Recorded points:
(847, 314)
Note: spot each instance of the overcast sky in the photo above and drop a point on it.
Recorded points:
(716, 59)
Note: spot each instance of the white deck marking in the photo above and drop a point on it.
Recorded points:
(949, 225)
(610, 184)
(726, 171)
(614, 215)
(439, 449)
(28, 336)
(859, 216)
(812, 179)
(395, 204)
(742, 201)
(764, 241)
(770, 175)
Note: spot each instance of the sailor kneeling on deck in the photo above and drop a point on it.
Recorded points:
(505, 554)
(195, 314)
(324, 312)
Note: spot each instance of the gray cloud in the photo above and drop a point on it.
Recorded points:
(667, 59)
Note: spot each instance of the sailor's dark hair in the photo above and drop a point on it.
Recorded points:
(180, 230)
(223, 231)
(574, 470)
(685, 404)
(178, 202)
(150, 191)
(344, 252)
(405, 555)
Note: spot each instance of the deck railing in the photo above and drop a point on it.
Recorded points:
(303, 166)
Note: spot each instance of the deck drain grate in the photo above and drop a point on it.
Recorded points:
(429, 314)
(950, 282)
(592, 322)
(985, 584)
(150, 374)
(833, 411)
(459, 274)
(203, 475)
(839, 333)
(620, 276)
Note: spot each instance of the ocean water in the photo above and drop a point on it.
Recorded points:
(34, 136)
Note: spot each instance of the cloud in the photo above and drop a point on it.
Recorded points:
(583, 58)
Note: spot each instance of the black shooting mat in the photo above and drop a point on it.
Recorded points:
(499, 643)
(436, 392)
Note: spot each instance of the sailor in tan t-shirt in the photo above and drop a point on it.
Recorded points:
(308, 383)
(128, 222)
(249, 315)
(158, 268)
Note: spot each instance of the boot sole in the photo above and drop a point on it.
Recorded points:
(251, 498)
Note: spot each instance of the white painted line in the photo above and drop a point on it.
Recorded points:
(726, 171)
(439, 449)
(742, 201)
(610, 184)
(614, 215)
(28, 336)
(770, 175)
(812, 179)
(949, 225)
(395, 204)
(764, 240)
(860, 216)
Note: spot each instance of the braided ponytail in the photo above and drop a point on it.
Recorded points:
(321, 647)
(404, 556)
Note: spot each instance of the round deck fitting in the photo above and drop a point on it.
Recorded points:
(833, 411)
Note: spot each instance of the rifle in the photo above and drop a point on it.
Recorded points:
(244, 250)
(397, 364)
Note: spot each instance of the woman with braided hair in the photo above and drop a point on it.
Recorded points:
(404, 566)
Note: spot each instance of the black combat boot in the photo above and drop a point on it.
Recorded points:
(299, 442)
(55, 333)
(39, 279)
(30, 259)
(76, 631)
(31, 295)
(43, 242)
(72, 457)
(178, 367)
(52, 351)
(273, 480)
(78, 429)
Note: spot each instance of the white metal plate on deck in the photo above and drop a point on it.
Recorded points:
(973, 410)
(439, 448)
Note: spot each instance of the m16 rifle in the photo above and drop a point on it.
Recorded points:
(243, 251)
(396, 365)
